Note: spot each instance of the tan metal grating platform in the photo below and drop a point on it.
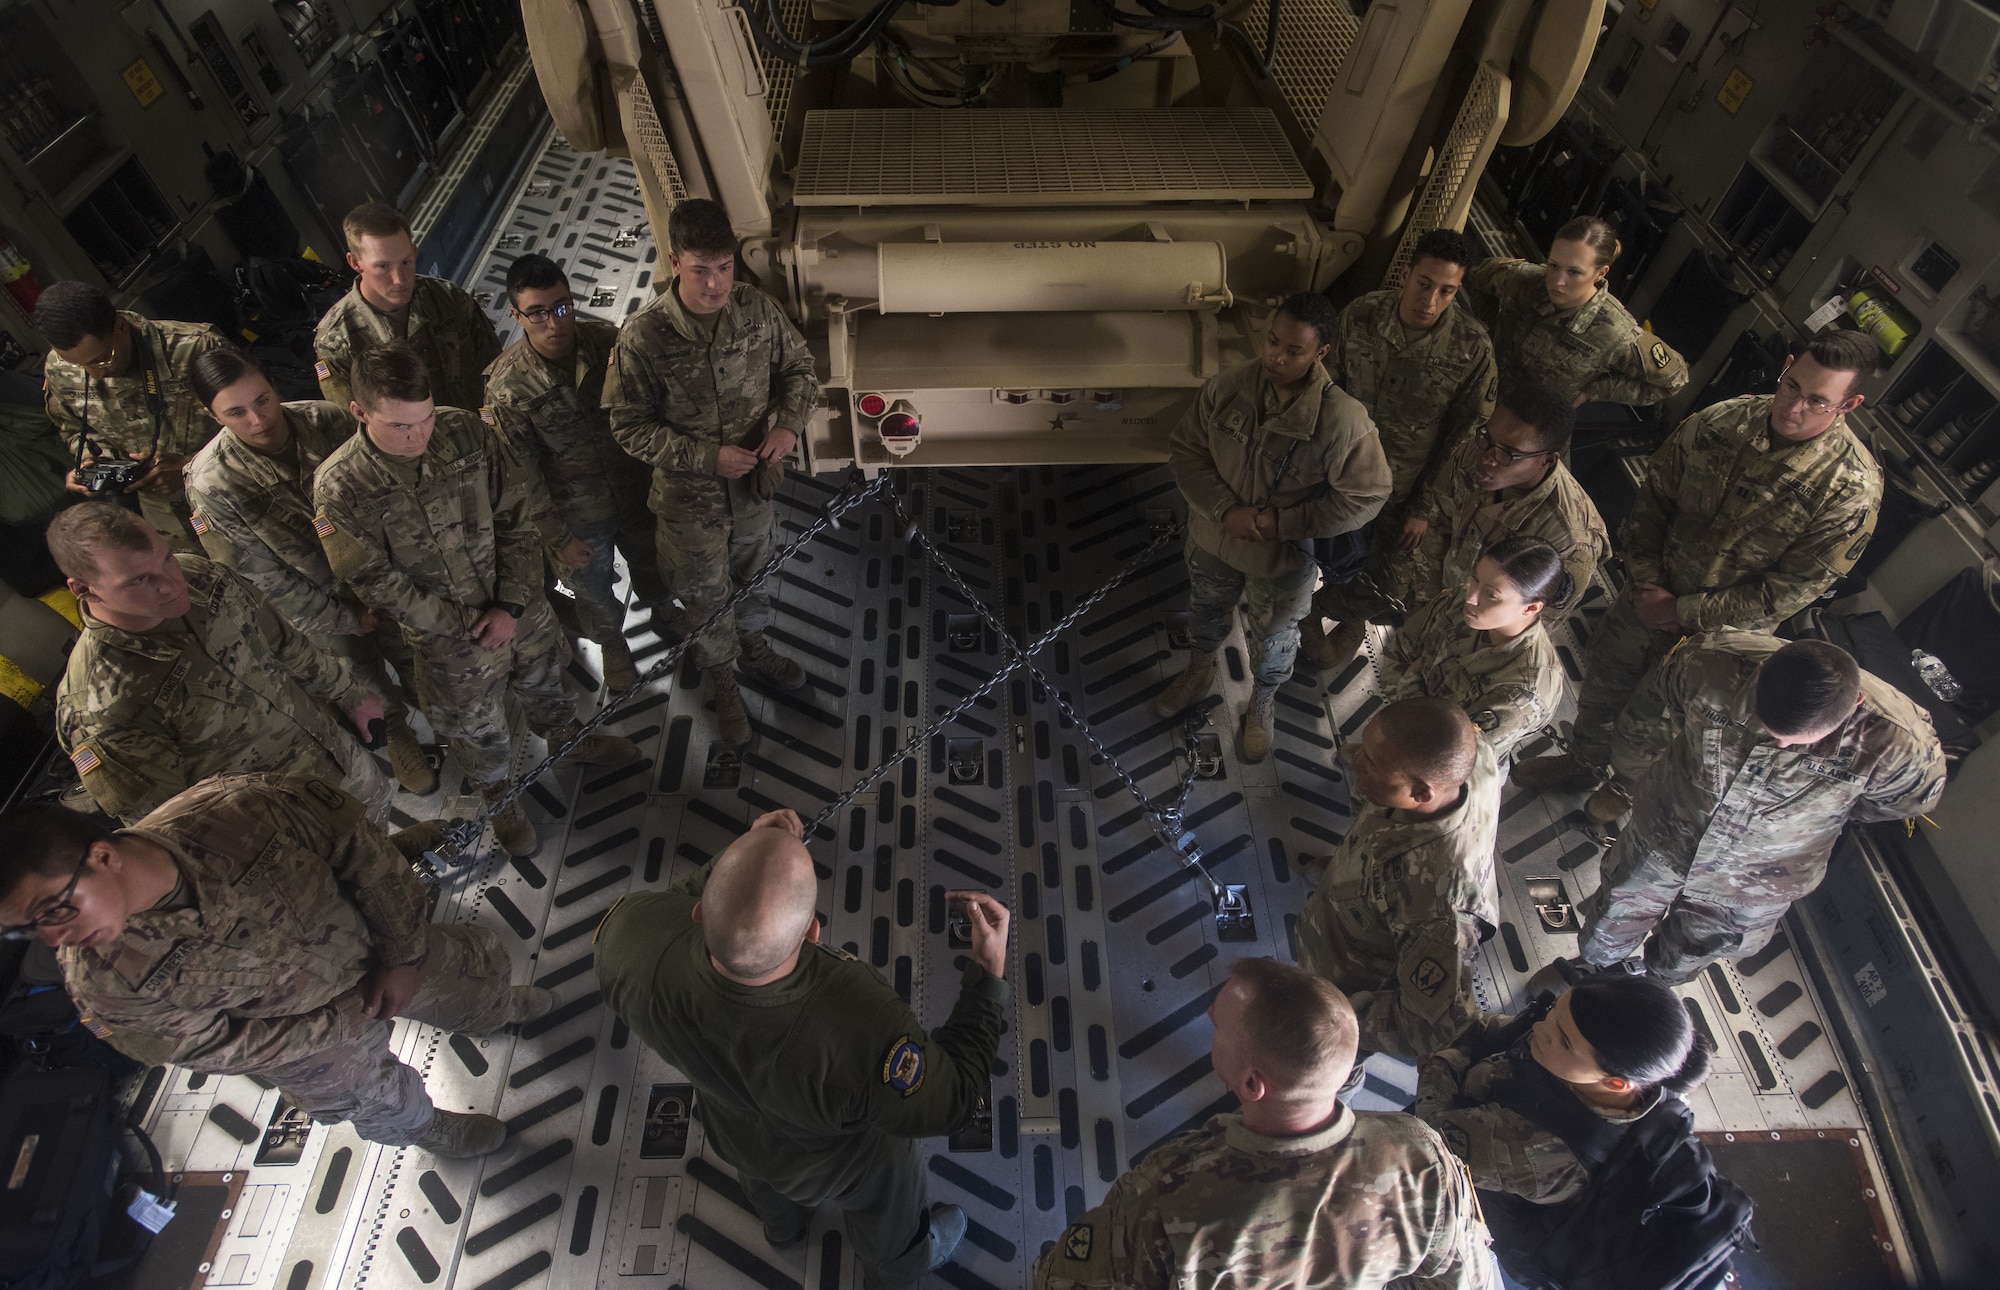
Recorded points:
(1041, 158)
(1313, 39)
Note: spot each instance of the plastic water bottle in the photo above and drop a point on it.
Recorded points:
(1936, 675)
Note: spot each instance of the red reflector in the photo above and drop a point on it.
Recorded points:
(900, 425)
(872, 405)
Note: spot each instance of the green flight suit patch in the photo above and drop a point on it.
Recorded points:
(903, 1068)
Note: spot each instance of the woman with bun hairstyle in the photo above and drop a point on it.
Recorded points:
(1484, 648)
(1556, 323)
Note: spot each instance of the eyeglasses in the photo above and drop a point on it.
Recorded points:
(62, 911)
(540, 316)
(1504, 453)
(1793, 392)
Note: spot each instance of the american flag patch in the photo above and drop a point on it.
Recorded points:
(200, 522)
(321, 370)
(85, 760)
(486, 415)
(322, 526)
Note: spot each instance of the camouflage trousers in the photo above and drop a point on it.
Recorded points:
(1391, 582)
(361, 774)
(713, 537)
(465, 988)
(373, 656)
(1623, 652)
(463, 689)
(1275, 604)
(628, 529)
(886, 1215)
(1693, 919)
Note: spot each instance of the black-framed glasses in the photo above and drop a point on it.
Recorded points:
(62, 911)
(1502, 451)
(1796, 393)
(540, 316)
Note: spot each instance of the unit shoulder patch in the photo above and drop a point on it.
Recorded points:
(1428, 976)
(1659, 354)
(903, 1067)
(1077, 1241)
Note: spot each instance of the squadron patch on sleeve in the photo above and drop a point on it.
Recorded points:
(323, 526)
(1659, 354)
(322, 371)
(1076, 1242)
(1428, 976)
(903, 1068)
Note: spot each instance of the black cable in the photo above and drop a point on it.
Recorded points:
(159, 1187)
(1271, 36)
(768, 29)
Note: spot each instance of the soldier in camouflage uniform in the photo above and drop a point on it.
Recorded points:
(1557, 325)
(711, 385)
(1402, 906)
(815, 1079)
(391, 301)
(260, 925)
(183, 671)
(423, 515)
(126, 378)
(1424, 371)
(1738, 816)
(1505, 479)
(250, 491)
(1749, 511)
(1484, 647)
(544, 395)
(1293, 1192)
(1270, 455)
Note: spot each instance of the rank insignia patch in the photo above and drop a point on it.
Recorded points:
(903, 1068)
(85, 760)
(322, 371)
(322, 526)
(1076, 1242)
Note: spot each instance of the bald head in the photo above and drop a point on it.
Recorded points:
(760, 901)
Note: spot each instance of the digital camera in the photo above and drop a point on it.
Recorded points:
(109, 476)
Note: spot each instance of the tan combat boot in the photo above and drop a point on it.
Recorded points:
(732, 722)
(1190, 687)
(1345, 643)
(1562, 771)
(529, 1003)
(453, 1135)
(620, 673)
(1313, 642)
(512, 828)
(411, 843)
(1254, 744)
(759, 659)
(1609, 803)
(595, 750)
(407, 761)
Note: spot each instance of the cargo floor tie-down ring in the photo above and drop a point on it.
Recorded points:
(1234, 921)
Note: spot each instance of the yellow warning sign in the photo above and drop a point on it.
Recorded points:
(1734, 90)
(140, 80)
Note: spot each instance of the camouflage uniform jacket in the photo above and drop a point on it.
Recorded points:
(1510, 689)
(431, 543)
(228, 688)
(254, 512)
(1424, 390)
(678, 392)
(1758, 821)
(811, 1082)
(444, 324)
(1747, 529)
(120, 414)
(1596, 349)
(1400, 911)
(1557, 510)
(1505, 1150)
(288, 897)
(559, 431)
(1318, 461)
(1370, 1200)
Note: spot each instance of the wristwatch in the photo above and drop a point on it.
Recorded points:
(513, 610)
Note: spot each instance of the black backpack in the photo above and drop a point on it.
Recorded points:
(1656, 1215)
